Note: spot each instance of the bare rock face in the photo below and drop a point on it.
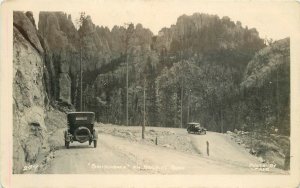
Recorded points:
(26, 26)
(199, 34)
(60, 39)
(98, 46)
(65, 88)
(30, 16)
(50, 74)
(95, 48)
(29, 95)
(49, 28)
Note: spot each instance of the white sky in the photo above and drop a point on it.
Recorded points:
(272, 19)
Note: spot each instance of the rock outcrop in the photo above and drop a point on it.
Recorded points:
(27, 27)
(201, 34)
(99, 49)
(60, 39)
(29, 94)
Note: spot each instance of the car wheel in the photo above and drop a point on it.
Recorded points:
(90, 142)
(65, 136)
(67, 144)
(95, 143)
(81, 134)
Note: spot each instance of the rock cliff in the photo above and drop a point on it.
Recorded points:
(59, 37)
(29, 95)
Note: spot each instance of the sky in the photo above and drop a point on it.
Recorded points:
(274, 19)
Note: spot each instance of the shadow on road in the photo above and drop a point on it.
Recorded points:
(76, 147)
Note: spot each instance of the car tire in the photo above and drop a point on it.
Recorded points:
(85, 138)
(67, 144)
(90, 142)
(65, 136)
(95, 143)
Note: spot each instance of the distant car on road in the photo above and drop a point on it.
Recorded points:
(195, 128)
(81, 128)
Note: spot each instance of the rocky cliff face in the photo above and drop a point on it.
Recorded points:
(199, 34)
(40, 79)
(59, 37)
(97, 47)
(29, 94)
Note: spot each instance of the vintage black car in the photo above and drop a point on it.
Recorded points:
(81, 128)
(195, 128)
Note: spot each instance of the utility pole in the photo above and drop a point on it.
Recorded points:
(84, 102)
(277, 98)
(126, 88)
(80, 22)
(80, 78)
(129, 32)
(181, 110)
(144, 123)
(188, 115)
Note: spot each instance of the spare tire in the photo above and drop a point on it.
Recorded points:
(82, 134)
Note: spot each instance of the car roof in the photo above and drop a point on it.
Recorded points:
(80, 117)
(80, 113)
(193, 123)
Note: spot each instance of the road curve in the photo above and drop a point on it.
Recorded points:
(116, 155)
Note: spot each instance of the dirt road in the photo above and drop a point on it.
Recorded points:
(115, 155)
(221, 148)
